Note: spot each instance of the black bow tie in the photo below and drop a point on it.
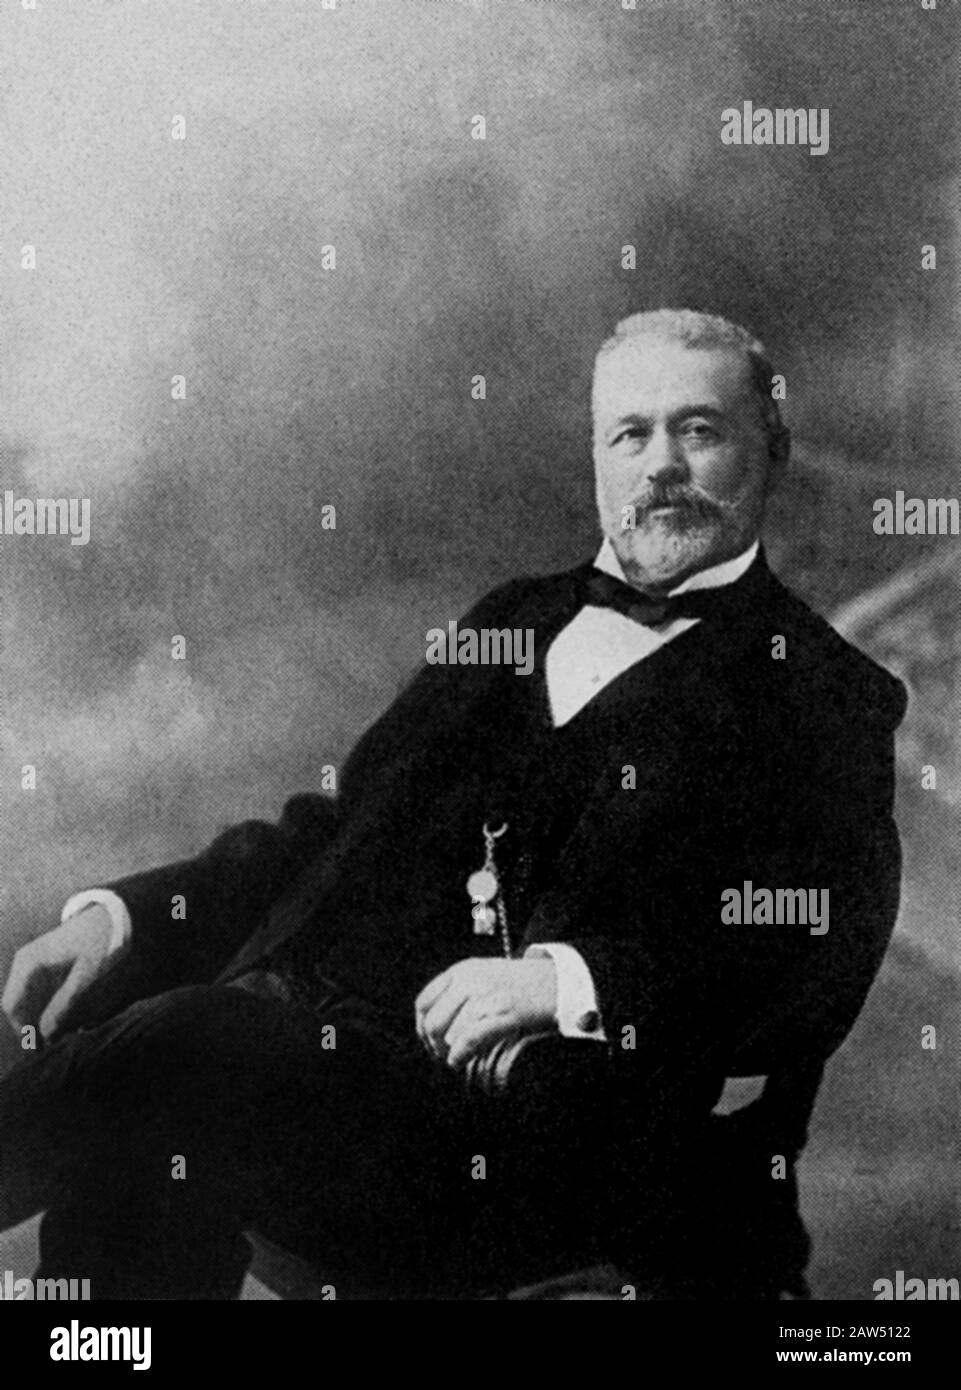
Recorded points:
(606, 591)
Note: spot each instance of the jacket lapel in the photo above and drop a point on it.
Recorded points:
(663, 716)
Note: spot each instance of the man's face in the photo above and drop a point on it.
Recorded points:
(681, 451)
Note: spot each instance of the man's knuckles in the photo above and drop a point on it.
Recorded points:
(473, 1042)
(20, 971)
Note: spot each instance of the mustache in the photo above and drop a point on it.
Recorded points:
(687, 497)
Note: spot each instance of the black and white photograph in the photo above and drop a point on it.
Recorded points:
(480, 580)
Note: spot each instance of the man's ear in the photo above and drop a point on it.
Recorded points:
(780, 453)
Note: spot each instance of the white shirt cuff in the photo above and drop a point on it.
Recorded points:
(577, 1012)
(116, 910)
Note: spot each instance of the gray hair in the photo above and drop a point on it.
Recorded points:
(693, 329)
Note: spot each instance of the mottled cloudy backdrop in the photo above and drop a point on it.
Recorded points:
(305, 387)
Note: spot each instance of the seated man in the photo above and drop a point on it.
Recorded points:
(670, 839)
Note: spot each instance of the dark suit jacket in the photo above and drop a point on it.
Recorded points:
(777, 771)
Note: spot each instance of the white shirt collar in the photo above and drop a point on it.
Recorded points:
(713, 578)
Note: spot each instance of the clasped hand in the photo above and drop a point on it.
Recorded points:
(466, 1009)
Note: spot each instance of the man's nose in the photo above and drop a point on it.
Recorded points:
(664, 458)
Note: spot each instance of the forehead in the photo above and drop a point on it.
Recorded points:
(656, 375)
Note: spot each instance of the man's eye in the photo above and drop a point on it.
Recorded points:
(631, 432)
(699, 429)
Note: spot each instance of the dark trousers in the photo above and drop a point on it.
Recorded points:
(152, 1141)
